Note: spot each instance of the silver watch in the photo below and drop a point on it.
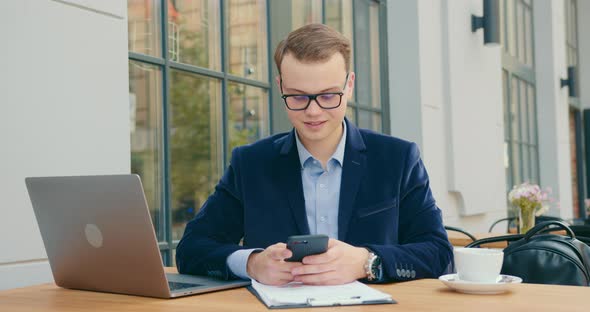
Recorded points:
(373, 267)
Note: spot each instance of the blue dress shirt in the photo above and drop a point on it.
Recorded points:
(321, 189)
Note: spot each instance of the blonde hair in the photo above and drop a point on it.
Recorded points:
(313, 43)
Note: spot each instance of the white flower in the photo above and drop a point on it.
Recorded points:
(530, 195)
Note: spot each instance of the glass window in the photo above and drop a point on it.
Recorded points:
(143, 22)
(339, 16)
(369, 120)
(520, 26)
(514, 126)
(520, 127)
(367, 100)
(305, 12)
(247, 39)
(375, 64)
(350, 114)
(194, 36)
(508, 26)
(571, 41)
(247, 116)
(145, 107)
(577, 135)
(523, 113)
(528, 35)
(195, 122)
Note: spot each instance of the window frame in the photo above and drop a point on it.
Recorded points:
(517, 69)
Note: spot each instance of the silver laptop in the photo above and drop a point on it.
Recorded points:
(99, 236)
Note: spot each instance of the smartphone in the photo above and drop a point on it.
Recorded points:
(306, 245)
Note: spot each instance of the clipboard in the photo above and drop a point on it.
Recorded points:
(297, 295)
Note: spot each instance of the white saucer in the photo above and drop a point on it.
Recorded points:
(504, 283)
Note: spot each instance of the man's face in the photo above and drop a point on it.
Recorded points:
(316, 125)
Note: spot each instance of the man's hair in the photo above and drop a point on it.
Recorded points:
(313, 43)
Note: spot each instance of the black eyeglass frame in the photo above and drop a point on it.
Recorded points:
(313, 97)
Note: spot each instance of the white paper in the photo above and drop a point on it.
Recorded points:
(300, 294)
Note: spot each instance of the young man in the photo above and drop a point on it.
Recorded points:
(369, 192)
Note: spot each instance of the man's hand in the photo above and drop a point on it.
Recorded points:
(268, 267)
(340, 264)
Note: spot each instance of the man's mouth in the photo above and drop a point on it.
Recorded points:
(314, 123)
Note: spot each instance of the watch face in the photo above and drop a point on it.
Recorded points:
(376, 268)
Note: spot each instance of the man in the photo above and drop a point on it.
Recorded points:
(369, 192)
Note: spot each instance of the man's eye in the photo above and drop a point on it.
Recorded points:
(327, 97)
(300, 98)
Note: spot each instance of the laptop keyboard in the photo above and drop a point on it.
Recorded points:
(178, 285)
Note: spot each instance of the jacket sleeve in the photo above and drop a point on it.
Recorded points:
(216, 231)
(424, 250)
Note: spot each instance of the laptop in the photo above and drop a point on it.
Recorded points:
(99, 236)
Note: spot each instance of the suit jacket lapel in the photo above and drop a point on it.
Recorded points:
(288, 169)
(353, 169)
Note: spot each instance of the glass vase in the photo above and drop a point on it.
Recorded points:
(526, 217)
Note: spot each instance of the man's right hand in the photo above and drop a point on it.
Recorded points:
(269, 266)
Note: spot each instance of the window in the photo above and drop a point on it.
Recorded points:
(363, 22)
(520, 110)
(575, 113)
(200, 78)
(193, 97)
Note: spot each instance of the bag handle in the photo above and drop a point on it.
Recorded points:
(537, 228)
(506, 238)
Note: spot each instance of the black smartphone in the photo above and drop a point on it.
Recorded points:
(306, 245)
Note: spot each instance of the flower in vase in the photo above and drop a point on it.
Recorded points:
(531, 201)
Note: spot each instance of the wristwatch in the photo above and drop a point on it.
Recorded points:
(373, 267)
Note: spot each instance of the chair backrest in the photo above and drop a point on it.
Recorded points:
(456, 229)
(513, 221)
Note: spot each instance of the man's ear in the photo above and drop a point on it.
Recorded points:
(350, 84)
(278, 81)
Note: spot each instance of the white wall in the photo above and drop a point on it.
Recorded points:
(446, 95)
(552, 103)
(64, 111)
(404, 61)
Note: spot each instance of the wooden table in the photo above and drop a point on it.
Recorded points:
(459, 240)
(419, 295)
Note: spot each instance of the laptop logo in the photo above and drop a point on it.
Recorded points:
(93, 235)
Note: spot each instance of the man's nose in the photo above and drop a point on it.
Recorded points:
(313, 108)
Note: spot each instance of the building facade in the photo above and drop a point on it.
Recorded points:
(166, 89)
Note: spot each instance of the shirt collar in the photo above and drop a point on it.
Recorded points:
(338, 155)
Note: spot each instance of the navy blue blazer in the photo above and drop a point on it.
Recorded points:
(385, 204)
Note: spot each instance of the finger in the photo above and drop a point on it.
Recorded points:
(285, 277)
(325, 257)
(327, 278)
(279, 253)
(332, 242)
(276, 282)
(289, 266)
(312, 269)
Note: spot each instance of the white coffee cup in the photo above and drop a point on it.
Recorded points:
(480, 265)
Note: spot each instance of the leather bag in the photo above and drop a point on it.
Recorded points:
(545, 258)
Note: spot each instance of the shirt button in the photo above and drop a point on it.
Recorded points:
(322, 185)
(322, 219)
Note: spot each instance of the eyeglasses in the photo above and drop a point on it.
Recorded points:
(326, 100)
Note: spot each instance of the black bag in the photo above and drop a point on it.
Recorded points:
(545, 258)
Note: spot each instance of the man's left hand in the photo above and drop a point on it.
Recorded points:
(340, 264)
